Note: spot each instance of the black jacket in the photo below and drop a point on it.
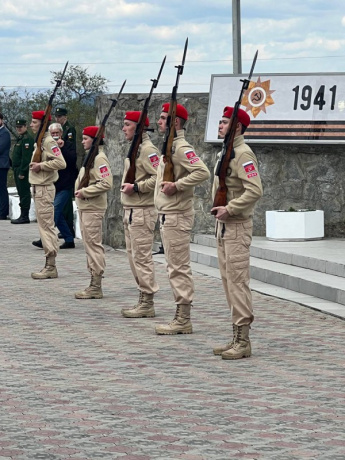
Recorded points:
(67, 176)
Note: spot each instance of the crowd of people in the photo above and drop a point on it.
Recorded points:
(55, 182)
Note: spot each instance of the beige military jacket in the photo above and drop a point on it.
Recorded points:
(101, 180)
(145, 175)
(51, 161)
(189, 171)
(243, 183)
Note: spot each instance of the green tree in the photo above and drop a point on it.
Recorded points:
(79, 85)
(78, 94)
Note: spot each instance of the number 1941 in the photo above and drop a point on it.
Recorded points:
(308, 98)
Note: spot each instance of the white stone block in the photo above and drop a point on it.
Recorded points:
(294, 226)
(15, 208)
(76, 221)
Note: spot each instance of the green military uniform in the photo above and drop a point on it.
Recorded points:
(69, 132)
(21, 157)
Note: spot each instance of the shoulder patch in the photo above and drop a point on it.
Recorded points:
(154, 159)
(191, 156)
(56, 151)
(104, 171)
(26, 146)
(249, 168)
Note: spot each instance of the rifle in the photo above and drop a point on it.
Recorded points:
(11, 130)
(170, 132)
(220, 198)
(44, 125)
(137, 138)
(93, 152)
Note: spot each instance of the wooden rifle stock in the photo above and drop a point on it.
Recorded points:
(170, 132)
(137, 138)
(220, 198)
(90, 158)
(44, 125)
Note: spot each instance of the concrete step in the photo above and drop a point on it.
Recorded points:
(303, 280)
(307, 281)
(325, 256)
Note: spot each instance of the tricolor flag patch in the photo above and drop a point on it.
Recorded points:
(250, 169)
(56, 151)
(26, 146)
(154, 159)
(103, 169)
(192, 157)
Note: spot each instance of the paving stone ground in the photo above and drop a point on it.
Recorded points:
(78, 381)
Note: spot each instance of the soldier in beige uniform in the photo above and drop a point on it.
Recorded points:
(140, 217)
(42, 177)
(234, 235)
(92, 203)
(174, 202)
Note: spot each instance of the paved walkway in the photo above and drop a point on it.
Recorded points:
(78, 381)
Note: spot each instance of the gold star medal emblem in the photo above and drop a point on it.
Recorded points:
(257, 97)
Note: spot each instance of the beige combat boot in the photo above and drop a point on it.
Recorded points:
(241, 347)
(94, 291)
(143, 309)
(49, 270)
(221, 348)
(181, 323)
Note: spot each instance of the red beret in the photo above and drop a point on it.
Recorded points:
(181, 111)
(91, 131)
(134, 116)
(39, 115)
(243, 117)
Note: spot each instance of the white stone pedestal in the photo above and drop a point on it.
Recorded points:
(294, 226)
(76, 221)
(15, 210)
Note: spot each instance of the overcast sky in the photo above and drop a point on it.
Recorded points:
(127, 39)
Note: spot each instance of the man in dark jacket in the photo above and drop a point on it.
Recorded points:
(69, 135)
(64, 186)
(21, 157)
(5, 145)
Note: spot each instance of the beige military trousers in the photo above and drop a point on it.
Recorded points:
(233, 245)
(139, 225)
(175, 232)
(91, 232)
(44, 205)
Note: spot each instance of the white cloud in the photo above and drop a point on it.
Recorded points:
(128, 39)
(110, 9)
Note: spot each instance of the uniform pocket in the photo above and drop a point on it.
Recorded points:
(238, 267)
(137, 217)
(170, 220)
(46, 218)
(94, 232)
(247, 231)
(38, 192)
(179, 252)
(230, 231)
(151, 218)
(142, 247)
(185, 222)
